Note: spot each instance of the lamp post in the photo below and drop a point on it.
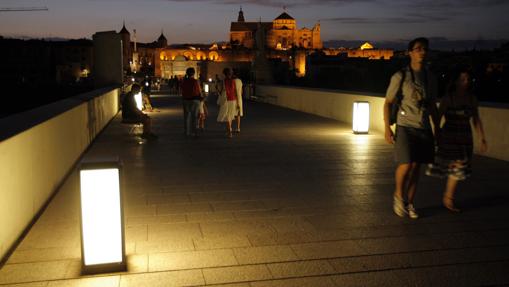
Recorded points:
(101, 217)
(360, 122)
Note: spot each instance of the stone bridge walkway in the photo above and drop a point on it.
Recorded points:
(294, 200)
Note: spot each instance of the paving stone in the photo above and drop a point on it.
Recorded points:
(191, 259)
(238, 227)
(30, 272)
(220, 242)
(243, 273)
(265, 254)
(219, 196)
(161, 219)
(475, 274)
(164, 245)
(173, 231)
(231, 285)
(300, 268)
(331, 249)
(53, 236)
(380, 278)
(296, 282)
(238, 205)
(33, 284)
(183, 208)
(210, 216)
(44, 254)
(139, 210)
(136, 233)
(297, 225)
(167, 198)
(106, 281)
(163, 279)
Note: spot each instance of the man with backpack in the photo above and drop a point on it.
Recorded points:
(413, 91)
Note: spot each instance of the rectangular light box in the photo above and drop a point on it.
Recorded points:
(102, 223)
(360, 121)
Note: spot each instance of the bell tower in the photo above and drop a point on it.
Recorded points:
(241, 16)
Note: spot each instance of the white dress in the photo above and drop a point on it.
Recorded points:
(227, 109)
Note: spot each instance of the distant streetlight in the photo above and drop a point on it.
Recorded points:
(360, 122)
(102, 222)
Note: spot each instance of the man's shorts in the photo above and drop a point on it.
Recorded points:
(414, 145)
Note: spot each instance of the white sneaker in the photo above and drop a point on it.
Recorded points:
(399, 207)
(412, 213)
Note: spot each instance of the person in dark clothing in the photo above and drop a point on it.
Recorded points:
(191, 99)
(131, 113)
(453, 159)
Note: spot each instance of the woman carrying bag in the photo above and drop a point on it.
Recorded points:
(227, 101)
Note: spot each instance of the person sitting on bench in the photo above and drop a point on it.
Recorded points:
(131, 113)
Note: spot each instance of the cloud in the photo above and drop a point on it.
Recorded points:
(279, 3)
(449, 5)
(408, 19)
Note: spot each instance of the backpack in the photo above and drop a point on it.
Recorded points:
(394, 108)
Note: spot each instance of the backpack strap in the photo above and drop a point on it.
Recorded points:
(399, 94)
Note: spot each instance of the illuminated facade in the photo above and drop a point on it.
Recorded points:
(278, 40)
(280, 34)
(366, 50)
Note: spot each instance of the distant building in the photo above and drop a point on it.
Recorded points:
(251, 43)
(36, 62)
(366, 50)
(280, 34)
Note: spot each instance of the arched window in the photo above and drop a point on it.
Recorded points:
(214, 56)
(201, 56)
(188, 55)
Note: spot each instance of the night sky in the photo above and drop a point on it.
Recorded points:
(206, 21)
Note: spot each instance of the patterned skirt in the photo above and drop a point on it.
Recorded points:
(455, 149)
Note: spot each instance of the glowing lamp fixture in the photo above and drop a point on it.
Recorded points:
(360, 123)
(102, 226)
(206, 88)
(139, 101)
(210, 80)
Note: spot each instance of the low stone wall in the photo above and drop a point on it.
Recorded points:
(338, 105)
(38, 148)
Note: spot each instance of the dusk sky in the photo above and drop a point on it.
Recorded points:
(206, 21)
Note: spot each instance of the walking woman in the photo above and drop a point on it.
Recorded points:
(191, 98)
(227, 101)
(455, 145)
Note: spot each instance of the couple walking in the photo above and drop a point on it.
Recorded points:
(415, 89)
(229, 100)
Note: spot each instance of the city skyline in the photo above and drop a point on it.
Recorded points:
(207, 21)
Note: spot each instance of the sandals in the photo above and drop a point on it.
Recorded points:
(449, 204)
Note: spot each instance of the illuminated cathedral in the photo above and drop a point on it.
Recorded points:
(280, 34)
(250, 48)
